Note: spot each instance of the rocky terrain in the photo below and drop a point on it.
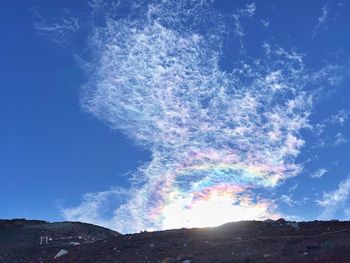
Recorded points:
(246, 241)
(35, 241)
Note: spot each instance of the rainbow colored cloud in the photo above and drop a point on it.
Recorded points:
(217, 137)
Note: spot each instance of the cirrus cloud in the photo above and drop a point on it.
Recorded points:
(216, 137)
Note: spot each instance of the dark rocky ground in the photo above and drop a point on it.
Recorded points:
(20, 239)
(246, 241)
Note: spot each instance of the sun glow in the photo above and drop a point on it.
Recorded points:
(214, 207)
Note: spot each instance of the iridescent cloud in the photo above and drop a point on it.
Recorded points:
(216, 137)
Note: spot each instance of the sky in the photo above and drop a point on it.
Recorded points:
(151, 115)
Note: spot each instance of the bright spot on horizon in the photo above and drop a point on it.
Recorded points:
(215, 209)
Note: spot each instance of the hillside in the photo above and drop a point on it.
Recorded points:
(34, 240)
(246, 241)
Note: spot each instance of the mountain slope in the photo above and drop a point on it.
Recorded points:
(28, 240)
(250, 241)
(246, 241)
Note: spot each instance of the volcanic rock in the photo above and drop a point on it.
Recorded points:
(245, 241)
(35, 241)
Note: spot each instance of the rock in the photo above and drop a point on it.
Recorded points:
(61, 253)
(245, 241)
(281, 221)
(295, 225)
(168, 260)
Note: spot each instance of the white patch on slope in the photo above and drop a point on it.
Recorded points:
(61, 253)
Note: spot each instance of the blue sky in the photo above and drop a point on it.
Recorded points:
(129, 116)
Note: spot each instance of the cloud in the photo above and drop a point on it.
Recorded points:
(58, 29)
(337, 119)
(340, 139)
(321, 20)
(293, 188)
(340, 118)
(347, 213)
(335, 200)
(265, 23)
(215, 137)
(94, 206)
(324, 15)
(290, 201)
(247, 12)
(319, 173)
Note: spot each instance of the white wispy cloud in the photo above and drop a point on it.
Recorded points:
(215, 136)
(58, 29)
(319, 173)
(335, 200)
(291, 201)
(340, 118)
(95, 206)
(339, 139)
(320, 129)
(293, 188)
(321, 20)
(247, 12)
(265, 23)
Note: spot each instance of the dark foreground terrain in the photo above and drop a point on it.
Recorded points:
(247, 241)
